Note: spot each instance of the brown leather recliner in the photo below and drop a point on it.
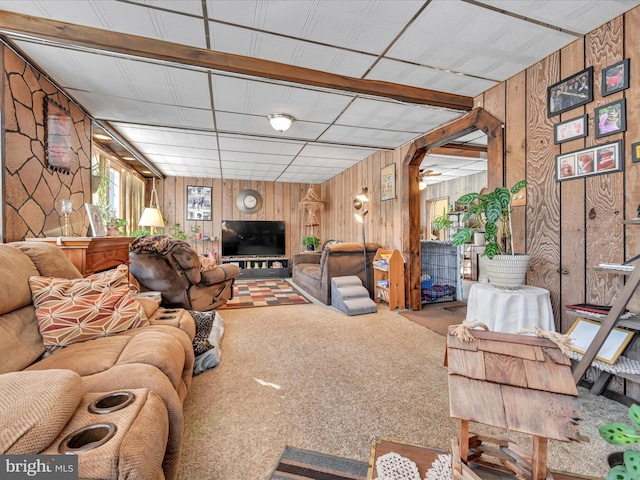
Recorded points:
(172, 267)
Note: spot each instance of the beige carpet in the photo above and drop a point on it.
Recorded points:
(316, 379)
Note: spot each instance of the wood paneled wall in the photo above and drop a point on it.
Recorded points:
(280, 202)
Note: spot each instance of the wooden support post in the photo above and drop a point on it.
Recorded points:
(464, 440)
(539, 461)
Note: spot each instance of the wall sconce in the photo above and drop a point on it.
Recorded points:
(280, 121)
(152, 216)
(66, 206)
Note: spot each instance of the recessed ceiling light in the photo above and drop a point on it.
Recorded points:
(101, 136)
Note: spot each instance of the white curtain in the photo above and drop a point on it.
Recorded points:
(131, 200)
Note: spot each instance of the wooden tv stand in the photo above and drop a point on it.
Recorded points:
(261, 267)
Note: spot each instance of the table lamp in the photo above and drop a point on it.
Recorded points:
(152, 216)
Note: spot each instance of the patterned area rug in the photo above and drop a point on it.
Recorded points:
(265, 293)
(302, 464)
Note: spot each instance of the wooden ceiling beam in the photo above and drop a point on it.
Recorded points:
(459, 150)
(121, 43)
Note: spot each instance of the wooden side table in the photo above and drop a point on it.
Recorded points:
(92, 254)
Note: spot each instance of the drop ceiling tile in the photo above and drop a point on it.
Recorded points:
(259, 125)
(167, 136)
(362, 25)
(247, 144)
(124, 17)
(254, 158)
(376, 139)
(579, 16)
(316, 150)
(386, 115)
(325, 162)
(238, 41)
(431, 78)
(239, 95)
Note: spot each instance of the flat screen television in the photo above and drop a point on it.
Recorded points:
(253, 238)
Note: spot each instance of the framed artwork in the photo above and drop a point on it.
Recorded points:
(635, 152)
(198, 203)
(96, 222)
(611, 118)
(388, 182)
(615, 77)
(570, 93)
(589, 161)
(570, 129)
(583, 332)
(57, 137)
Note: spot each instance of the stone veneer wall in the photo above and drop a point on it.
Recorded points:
(33, 191)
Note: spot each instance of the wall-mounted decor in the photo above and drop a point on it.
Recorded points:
(583, 332)
(570, 93)
(388, 182)
(615, 77)
(96, 222)
(589, 161)
(198, 203)
(635, 152)
(611, 118)
(570, 129)
(58, 125)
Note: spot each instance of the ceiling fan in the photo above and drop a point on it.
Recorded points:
(428, 173)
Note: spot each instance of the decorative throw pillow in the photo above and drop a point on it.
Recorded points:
(70, 311)
(204, 322)
(207, 264)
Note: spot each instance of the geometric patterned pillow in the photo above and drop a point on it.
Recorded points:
(70, 311)
(204, 323)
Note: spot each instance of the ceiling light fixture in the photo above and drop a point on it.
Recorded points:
(280, 121)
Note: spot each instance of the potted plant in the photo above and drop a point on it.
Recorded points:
(620, 434)
(311, 243)
(442, 222)
(493, 212)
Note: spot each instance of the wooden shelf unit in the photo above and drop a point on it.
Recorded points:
(261, 267)
(393, 276)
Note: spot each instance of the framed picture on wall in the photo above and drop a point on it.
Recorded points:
(611, 118)
(595, 160)
(96, 222)
(58, 125)
(615, 77)
(635, 152)
(570, 93)
(388, 182)
(198, 203)
(570, 129)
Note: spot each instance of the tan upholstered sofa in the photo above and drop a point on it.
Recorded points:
(313, 271)
(47, 397)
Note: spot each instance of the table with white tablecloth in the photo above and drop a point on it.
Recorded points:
(510, 310)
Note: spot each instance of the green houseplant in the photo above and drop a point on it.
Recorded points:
(493, 213)
(442, 222)
(311, 243)
(620, 434)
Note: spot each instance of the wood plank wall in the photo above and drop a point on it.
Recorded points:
(575, 224)
(280, 202)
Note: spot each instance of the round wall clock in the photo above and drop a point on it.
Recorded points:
(249, 201)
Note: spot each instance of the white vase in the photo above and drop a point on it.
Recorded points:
(478, 239)
(507, 271)
(482, 269)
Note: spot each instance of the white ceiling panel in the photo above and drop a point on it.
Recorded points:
(185, 121)
(362, 25)
(239, 41)
(431, 78)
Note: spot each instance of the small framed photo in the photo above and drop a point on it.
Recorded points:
(96, 222)
(611, 118)
(635, 152)
(615, 77)
(583, 332)
(570, 129)
(595, 160)
(198, 203)
(570, 93)
(388, 182)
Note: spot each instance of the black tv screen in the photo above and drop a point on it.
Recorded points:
(261, 238)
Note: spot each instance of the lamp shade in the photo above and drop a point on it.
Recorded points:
(151, 217)
(280, 121)
(360, 216)
(363, 196)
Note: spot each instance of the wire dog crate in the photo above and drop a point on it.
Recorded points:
(441, 271)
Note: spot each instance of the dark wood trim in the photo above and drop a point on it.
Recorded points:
(476, 119)
(471, 151)
(108, 41)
